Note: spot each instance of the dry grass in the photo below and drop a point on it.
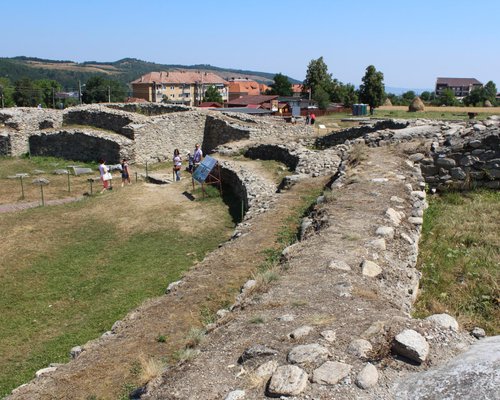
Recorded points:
(150, 368)
(321, 319)
(486, 110)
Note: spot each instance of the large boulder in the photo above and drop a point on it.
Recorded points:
(474, 374)
(416, 105)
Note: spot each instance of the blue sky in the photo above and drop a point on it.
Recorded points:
(411, 42)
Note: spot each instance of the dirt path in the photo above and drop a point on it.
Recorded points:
(4, 208)
(314, 292)
(109, 364)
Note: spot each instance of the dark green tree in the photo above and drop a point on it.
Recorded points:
(343, 93)
(476, 97)
(26, 94)
(490, 92)
(426, 96)
(48, 88)
(372, 91)
(409, 95)
(321, 97)
(212, 94)
(6, 92)
(446, 98)
(317, 76)
(101, 90)
(281, 86)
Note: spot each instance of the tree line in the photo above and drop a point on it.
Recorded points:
(49, 93)
(324, 89)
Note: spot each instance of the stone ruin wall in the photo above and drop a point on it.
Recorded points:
(82, 146)
(469, 163)
(19, 123)
(150, 109)
(452, 155)
(101, 117)
(156, 140)
(339, 137)
(153, 138)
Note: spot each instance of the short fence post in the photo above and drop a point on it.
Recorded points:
(136, 177)
(41, 191)
(146, 170)
(22, 187)
(69, 184)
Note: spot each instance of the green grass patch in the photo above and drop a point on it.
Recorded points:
(460, 259)
(74, 291)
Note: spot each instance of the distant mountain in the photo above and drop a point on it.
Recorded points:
(69, 73)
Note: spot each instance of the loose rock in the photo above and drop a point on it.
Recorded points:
(367, 377)
(331, 372)
(288, 380)
(412, 345)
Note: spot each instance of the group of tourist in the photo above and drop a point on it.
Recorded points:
(106, 176)
(193, 161)
(310, 119)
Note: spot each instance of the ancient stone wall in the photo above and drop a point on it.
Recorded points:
(219, 131)
(452, 155)
(255, 192)
(157, 138)
(4, 144)
(102, 117)
(340, 137)
(150, 109)
(274, 152)
(464, 164)
(82, 145)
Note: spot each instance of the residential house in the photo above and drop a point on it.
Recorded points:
(178, 87)
(239, 87)
(297, 89)
(461, 87)
(257, 101)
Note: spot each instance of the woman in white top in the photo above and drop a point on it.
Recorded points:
(177, 165)
(103, 170)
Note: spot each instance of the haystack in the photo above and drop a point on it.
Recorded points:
(487, 103)
(388, 102)
(416, 105)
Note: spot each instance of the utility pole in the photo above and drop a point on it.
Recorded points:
(109, 94)
(1, 95)
(80, 91)
(53, 98)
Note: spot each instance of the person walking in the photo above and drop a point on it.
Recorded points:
(125, 172)
(313, 118)
(177, 165)
(105, 175)
(308, 118)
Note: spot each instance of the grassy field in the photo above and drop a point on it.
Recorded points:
(460, 259)
(401, 112)
(69, 272)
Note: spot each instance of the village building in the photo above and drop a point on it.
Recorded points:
(178, 87)
(239, 87)
(461, 87)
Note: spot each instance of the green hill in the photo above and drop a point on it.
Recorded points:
(68, 73)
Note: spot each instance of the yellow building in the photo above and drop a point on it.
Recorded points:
(178, 87)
